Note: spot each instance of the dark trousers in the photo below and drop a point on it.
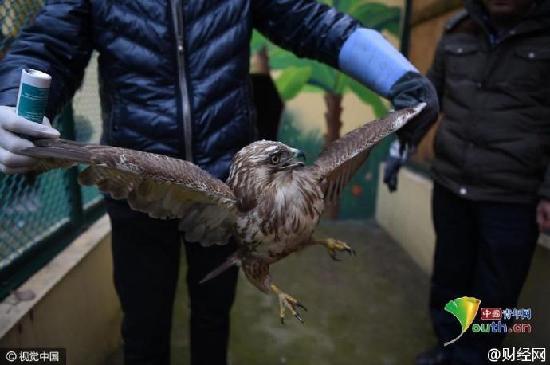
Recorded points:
(146, 255)
(483, 250)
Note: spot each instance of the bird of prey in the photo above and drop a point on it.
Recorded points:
(271, 202)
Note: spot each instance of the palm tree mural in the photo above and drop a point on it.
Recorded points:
(297, 74)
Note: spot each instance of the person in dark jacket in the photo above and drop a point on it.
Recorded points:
(174, 81)
(492, 148)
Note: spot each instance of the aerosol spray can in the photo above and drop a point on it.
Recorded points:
(32, 98)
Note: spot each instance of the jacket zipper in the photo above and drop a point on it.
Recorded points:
(177, 18)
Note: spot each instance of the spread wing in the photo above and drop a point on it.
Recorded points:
(339, 161)
(160, 186)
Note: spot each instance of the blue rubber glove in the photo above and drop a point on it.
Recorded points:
(370, 59)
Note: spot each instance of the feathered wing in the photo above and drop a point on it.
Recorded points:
(341, 159)
(160, 186)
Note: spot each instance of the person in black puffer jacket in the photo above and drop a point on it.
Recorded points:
(174, 81)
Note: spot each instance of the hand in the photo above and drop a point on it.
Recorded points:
(543, 215)
(13, 131)
(409, 91)
(397, 157)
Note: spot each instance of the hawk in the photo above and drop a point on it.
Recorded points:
(271, 202)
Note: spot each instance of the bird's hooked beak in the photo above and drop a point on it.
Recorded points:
(298, 158)
(300, 155)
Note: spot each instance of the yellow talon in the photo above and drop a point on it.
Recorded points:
(335, 246)
(287, 301)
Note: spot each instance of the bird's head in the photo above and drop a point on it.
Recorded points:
(267, 158)
(261, 162)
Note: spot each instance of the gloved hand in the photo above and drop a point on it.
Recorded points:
(369, 58)
(397, 157)
(13, 133)
(408, 91)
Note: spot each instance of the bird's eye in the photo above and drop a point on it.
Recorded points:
(275, 159)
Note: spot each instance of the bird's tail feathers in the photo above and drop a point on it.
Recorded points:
(234, 259)
(61, 149)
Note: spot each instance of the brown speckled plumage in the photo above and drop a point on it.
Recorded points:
(271, 202)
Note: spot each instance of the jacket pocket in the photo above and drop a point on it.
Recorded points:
(530, 67)
(534, 53)
(461, 59)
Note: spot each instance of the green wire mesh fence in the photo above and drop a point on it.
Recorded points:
(14, 15)
(39, 212)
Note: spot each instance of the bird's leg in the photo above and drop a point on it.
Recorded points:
(334, 246)
(256, 269)
(287, 302)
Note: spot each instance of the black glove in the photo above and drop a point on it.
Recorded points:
(397, 157)
(410, 90)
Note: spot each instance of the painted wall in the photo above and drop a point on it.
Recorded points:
(322, 104)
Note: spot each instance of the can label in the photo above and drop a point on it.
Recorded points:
(32, 98)
(32, 103)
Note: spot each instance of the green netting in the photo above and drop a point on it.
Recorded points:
(14, 15)
(32, 208)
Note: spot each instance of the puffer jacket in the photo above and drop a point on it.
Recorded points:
(493, 143)
(173, 73)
